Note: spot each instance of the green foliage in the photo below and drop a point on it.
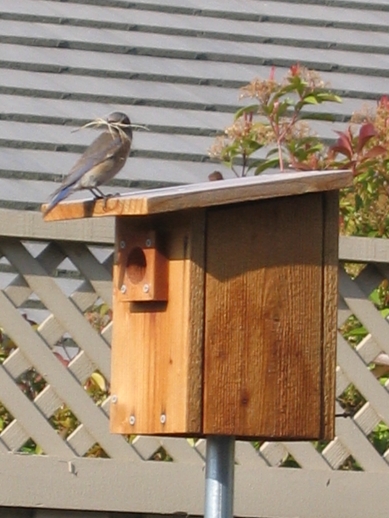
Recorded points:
(351, 400)
(380, 438)
(278, 123)
(161, 455)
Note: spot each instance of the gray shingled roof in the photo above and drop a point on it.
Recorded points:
(175, 67)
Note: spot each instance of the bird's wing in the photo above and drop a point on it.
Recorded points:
(101, 149)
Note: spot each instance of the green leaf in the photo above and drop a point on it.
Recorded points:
(358, 202)
(317, 117)
(253, 108)
(38, 450)
(358, 331)
(328, 96)
(251, 146)
(384, 312)
(310, 99)
(99, 380)
(374, 297)
(267, 164)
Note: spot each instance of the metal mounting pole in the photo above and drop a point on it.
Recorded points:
(219, 477)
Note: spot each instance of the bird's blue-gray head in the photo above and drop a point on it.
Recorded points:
(119, 122)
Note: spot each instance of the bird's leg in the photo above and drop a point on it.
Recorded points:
(99, 194)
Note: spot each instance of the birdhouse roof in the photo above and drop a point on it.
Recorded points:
(207, 194)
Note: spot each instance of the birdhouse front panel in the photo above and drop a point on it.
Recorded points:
(158, 339)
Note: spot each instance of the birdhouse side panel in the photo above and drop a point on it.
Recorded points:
(263, 371)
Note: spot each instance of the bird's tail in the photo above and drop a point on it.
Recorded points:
(57, 197)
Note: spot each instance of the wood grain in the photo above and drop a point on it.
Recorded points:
(263, 369)
(157, 346)
(330, 310)
(205, 194)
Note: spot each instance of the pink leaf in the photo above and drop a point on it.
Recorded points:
(343, 145)
(366, 132)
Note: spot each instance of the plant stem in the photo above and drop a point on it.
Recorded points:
(244, 156)
(235, 171)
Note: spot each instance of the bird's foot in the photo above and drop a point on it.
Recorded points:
(99, 195)
(107, 197)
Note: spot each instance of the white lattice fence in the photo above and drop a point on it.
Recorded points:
(35, 350)
(50, 285)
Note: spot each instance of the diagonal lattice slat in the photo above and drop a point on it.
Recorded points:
(274, 453)
(307, 456)
(246, 455)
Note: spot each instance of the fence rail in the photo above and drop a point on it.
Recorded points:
(55, 344)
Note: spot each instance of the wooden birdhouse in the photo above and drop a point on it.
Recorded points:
(225, 306)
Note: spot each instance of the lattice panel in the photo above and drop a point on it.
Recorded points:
(62, 381)
(48, 290)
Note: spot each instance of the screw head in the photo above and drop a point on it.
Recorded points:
(131, 420)
(122, 244)
(163, 418)
(114, 399)
(148, 242)
(123, 288)
(146, 288)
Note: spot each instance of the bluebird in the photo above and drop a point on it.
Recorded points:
(101, 161)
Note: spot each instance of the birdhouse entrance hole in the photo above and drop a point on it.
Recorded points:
(136, 265)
